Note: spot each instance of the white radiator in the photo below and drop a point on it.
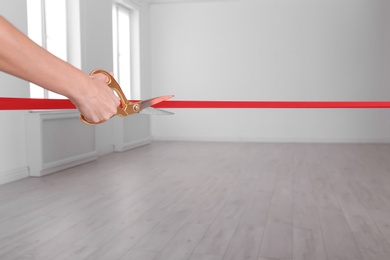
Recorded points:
(56, 140)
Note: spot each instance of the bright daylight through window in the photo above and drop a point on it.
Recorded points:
(55, 25)
(49, 26)
(126, 49)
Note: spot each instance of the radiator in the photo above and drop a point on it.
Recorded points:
(56, 140)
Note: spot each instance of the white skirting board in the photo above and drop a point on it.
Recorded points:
(13, 175)
(132, 145)
(56, 140)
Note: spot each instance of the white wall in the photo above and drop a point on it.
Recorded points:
(386, 32)
(96, 45)
(12, 126)
(271, 50)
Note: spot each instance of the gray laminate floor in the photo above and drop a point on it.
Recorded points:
(206, 201)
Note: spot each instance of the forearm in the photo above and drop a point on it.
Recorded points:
(23, 58)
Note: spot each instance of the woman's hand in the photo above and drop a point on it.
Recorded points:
(97, 103)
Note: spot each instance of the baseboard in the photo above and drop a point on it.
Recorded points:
(67, 163)
(132, 145)
(106, 150)
(13, 175)
(156, 2)
(272, 140)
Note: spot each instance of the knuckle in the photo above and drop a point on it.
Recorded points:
(93, 120)
(107, 116)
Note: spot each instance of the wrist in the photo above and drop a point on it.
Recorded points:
(78, 87)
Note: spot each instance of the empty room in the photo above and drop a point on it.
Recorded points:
(195, 130)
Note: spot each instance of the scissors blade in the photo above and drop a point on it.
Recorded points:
(150, 102)
(155, 111)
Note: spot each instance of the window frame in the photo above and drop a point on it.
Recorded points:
(133, 91)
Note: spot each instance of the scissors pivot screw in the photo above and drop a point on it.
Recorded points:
(136, 108)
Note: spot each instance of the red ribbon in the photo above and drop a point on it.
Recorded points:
(272, 104)
(53, 104)
(34, 104)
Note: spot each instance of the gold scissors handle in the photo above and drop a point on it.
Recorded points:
(126, 107)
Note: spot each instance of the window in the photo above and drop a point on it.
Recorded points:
(55, 25)
(126, 48)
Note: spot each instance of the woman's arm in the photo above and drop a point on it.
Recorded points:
(21, 57)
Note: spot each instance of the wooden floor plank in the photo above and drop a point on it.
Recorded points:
(206, 201)
(183, 243)
(138, 255)
(277, 241)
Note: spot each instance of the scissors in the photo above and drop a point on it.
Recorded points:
(129, 107)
